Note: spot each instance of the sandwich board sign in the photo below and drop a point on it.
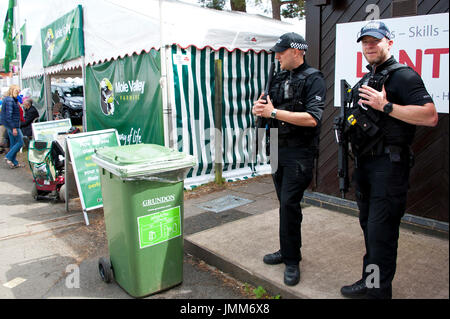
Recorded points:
(48, 131)
(81, 147)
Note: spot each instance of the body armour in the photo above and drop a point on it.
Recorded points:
(371, 130)
(287, 94)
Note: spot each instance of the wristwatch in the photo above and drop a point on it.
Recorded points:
(387, 108)
(274, 114)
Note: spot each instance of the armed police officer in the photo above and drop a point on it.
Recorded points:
(294, 106)
(387, 104)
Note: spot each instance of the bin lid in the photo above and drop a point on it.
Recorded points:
(141, 159)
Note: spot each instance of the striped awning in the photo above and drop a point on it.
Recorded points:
(192, 109)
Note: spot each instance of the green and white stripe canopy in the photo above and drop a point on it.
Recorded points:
(192, 108)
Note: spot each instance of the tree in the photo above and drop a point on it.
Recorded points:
(291, 9)
(236, 5)
(280, 8)
(213, 4)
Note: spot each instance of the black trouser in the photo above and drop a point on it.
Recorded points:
(381, 190)
(292, 177)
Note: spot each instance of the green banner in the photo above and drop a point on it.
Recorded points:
(125, 94)
(81, 147)
(63, 40)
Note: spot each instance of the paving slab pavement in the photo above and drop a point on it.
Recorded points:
(41, 240)
(43, 249)
(332, 251)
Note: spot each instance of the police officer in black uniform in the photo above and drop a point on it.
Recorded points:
(294, 106)
(388, 103)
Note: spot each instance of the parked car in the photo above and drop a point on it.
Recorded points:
(68, 101)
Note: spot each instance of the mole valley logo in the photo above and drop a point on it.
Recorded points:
(54, 37)
(116, 92)
(49, 43)
(106, 97)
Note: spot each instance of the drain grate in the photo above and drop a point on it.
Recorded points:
(224, 203)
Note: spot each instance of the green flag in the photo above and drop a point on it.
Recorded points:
(7, 35)
(23, 34)
(23, 37)
(17, 45)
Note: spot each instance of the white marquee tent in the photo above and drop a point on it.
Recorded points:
(115, 29)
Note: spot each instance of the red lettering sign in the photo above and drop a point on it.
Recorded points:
(404, 59)
(436, 59)
(359, 60)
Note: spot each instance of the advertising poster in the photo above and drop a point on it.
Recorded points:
(125, 94)
(48, 131)
(81, 147)
(62, 40)
(420, 42)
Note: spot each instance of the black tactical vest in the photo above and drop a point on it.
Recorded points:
(287, 94)
(371, 130)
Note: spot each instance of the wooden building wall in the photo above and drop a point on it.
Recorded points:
(428, 195)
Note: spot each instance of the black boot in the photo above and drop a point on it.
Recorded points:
(276, 258)
(357, 290)
(273, 259)
(292, 275)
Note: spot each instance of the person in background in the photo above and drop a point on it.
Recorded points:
(4, 141)
(11, 121)
(30, 115)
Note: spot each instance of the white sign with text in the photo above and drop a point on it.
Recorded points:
(420, 42)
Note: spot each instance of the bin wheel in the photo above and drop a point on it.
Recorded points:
(105, 270)
(62, 193)
(34, 191)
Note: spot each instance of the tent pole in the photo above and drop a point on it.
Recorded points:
(19, 49)
(48, 95)
(218, 107)
(83, 75)
(164, 91)
(163, 81)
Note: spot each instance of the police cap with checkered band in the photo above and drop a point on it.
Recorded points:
(290, 40)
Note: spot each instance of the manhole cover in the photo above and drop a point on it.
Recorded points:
(224, 203)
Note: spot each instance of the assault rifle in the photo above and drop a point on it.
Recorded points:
(262, 122)
(340, 129)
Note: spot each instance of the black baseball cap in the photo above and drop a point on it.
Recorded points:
(376, 29)
(290, 40)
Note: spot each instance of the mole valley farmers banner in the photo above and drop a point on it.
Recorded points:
(63, 40)
(125, 94)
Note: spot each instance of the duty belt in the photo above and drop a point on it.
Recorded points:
(396, 153)
(378, 151)
(285, 142)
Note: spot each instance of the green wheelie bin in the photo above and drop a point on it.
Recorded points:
(142, 190)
